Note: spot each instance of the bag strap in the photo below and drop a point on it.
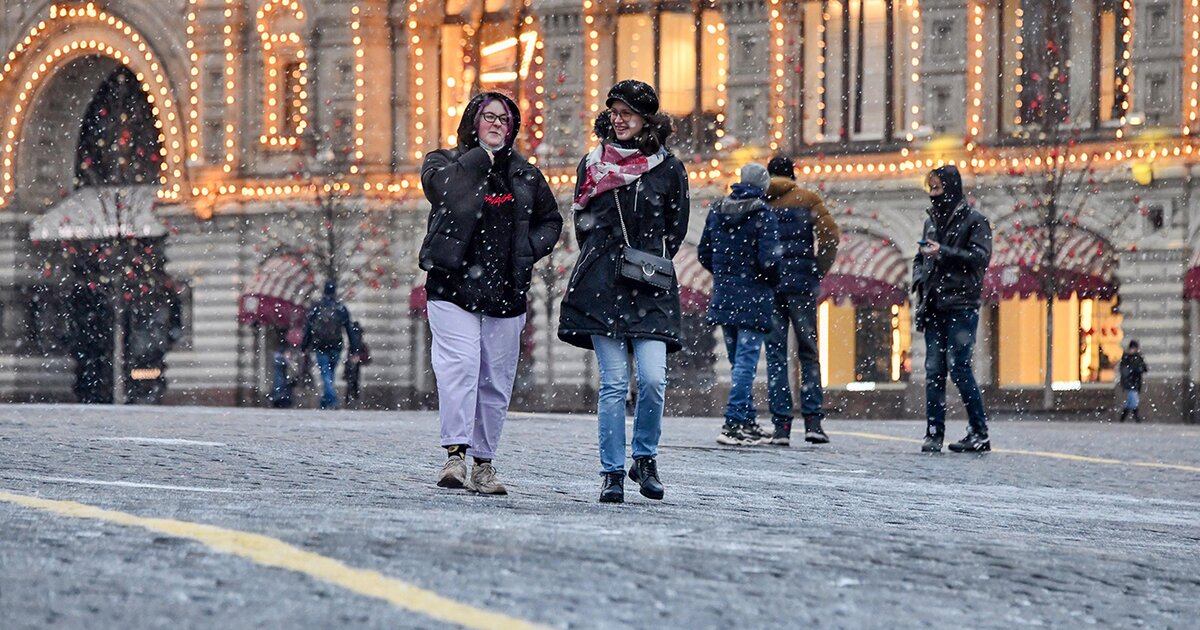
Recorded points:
(625, 232)
(620, 215)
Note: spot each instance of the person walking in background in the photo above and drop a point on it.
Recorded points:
(328, 322)
(1130, 372)
(948, 280)
(631, 204)
(358, 356)
(493, 216)
(740, 246)
(286, 372)
(808, 237)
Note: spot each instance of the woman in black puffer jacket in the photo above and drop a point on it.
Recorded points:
(492, 217)
(631, 176)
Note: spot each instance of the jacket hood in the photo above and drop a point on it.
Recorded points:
(468, 138)
(952, 187)
(736, 210)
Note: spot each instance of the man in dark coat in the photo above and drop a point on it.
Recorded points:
(809, 239)
(948, 280)
(1132, 369)
(324, 327)
(740, 246)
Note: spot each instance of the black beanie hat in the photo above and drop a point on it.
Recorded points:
(639, 96)
(782, 166)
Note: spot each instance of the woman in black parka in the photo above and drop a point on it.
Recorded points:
(615, 316)
(492, 217)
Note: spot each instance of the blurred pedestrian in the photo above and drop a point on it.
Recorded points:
(808, 237)
(1131, 370)
(948, 280)
(740, 246)
(631, 215)
(358, 356)
(327, 324)
(493, 216)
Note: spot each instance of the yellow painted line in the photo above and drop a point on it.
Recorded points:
(273, 552)
(1049, 454)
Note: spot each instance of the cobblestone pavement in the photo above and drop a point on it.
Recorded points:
(864, 532)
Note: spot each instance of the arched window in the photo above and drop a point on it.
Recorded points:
(280, 26)
(681, 48)
(491, 45)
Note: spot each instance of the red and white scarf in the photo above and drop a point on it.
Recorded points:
(608, 167)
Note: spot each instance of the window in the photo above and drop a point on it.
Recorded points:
(1160, 98)
(943, 40)
(280, 24)
(940, 114)
(863, 343)
(682, 50)
(856, 57)
(1086, 344)
(492, 45)
(1112, 68)
(1158, 17)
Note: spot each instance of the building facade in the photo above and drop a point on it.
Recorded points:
(264, 127)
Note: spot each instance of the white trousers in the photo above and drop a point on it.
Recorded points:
(475, 363)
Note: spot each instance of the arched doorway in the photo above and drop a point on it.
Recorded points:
(101, 246)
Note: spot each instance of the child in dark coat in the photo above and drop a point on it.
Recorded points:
(740, 246)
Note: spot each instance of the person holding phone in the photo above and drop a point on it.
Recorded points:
(948, 280)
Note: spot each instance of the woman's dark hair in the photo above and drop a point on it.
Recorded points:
(653, 136)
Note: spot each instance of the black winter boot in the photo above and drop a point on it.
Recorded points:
(1137, 417)
(613, 488)
(973, 443)
(933, 441)
(644, 472)
(813, 433)
(1124, 413)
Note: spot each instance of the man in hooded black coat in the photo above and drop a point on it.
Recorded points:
(948, 280)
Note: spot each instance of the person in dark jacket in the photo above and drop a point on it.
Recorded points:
(948, 280)
(740, 246)
(327, 320)
(809, 239)
(630, 178)
(1131, 370)
(358, 356)
(493, 216)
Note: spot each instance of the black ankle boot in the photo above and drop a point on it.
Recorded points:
(973, 443)
(613, 488)
(933, 441)
(644, 472)
(813, 433)
(1124, 413)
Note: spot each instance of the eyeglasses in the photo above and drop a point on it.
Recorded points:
(491, 119)
(623, 115)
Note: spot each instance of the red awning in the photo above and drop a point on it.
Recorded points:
(1085, 261)
(1191, 280)
(695, 282)
(278, 293)
(868, 271)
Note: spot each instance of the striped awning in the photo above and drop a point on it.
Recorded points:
(1086, 265)
(279, 293)
(868, 271)
(695, 282)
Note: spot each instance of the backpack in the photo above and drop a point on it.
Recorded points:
(326, 326)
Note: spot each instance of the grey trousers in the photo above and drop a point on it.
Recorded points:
(475, 363)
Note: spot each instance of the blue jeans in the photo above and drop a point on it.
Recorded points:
(1131, 399)
(949, 343)
(743, 346)
(327, 361)
(650, 357)
(801, 312)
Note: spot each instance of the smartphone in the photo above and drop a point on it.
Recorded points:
(922, 242)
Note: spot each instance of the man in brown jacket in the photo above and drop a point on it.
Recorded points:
(809, 238)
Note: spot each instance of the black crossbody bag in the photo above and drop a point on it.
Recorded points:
(636, 265)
